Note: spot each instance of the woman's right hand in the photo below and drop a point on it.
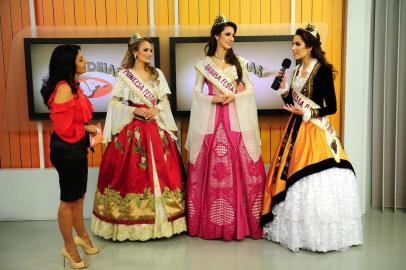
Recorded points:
(219, 99)
(283, 82)
(140, 112)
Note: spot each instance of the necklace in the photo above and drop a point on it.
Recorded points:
(219, 58)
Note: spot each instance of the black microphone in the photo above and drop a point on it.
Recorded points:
(277, 82)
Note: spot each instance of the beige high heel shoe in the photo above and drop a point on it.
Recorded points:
(74, 265)
(88, 249)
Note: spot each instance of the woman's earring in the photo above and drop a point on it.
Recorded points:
(136, 59)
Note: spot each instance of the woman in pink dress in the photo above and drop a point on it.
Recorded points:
(226, 173)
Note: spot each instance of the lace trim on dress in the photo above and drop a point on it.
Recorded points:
(140, 232)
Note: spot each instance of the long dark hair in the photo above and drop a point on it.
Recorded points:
(315, 44)
(129, 59)
(62, 67)
(210, 48)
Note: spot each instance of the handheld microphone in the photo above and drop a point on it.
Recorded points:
(277, 81)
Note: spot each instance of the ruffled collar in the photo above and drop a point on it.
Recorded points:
(300, 80)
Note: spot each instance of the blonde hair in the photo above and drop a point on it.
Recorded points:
(129, 59)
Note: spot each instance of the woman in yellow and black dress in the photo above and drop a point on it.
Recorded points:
(311, 199)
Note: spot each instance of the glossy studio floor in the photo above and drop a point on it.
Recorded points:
(36, 244)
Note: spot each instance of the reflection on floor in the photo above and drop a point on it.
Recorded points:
(36, 245)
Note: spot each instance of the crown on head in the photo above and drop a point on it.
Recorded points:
(134, 38)
(311, 29)
(220, 20)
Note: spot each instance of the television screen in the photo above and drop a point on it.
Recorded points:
(264, 54)
(104, 56)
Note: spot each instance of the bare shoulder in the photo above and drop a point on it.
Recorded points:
(63, 93)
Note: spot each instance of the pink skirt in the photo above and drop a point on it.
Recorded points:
(225, 186)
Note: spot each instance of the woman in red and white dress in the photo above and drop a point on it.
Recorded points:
(139, 192)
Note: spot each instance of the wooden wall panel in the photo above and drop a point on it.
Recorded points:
(132, 14)
(101, 17)
(337, 38)
(255, 12)
(15, 147)
(143, 12)
(111, 13)
(265, 11)
(5, 161)
(276, 11)
(183, 6)
(20, 149)
(30, 137)
(204, 12)
(25, 13)
(245, 11)
(122, 18)
(235, 12)
(90, 7)
(171, 12)
(69, 9)
(194, 12)
(214, 10)
(317, 10)
(285, 12)
(298, 11)
(224, 8)
(59, 13)
(161, 14)
(79, 11)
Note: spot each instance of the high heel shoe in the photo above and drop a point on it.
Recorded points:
(88, 249)
(74, 265)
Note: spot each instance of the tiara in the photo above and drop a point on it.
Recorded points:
(134, 38)
(220, 20)
(311, 29)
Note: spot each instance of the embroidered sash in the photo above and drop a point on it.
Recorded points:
(322, 122)
(141, 88)
(212, 73)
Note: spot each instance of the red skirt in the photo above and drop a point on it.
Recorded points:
(140, 187)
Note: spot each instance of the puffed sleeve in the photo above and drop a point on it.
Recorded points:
(165, 117)
(119, 114)
(201, 118)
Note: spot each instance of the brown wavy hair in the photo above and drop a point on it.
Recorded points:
(211, 46)
(314, 42)
(129, 59)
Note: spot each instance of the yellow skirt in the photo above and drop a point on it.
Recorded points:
(302, 151)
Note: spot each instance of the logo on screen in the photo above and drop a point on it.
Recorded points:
(255, 69)
(94, 87)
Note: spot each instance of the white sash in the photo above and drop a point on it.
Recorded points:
(212, 73)
(322, 122)
(142, 90)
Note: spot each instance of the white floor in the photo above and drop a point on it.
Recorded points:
(36, 244)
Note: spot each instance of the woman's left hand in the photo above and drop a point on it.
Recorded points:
(229, 99)
(91, 128)
(151, 113)
(293, 109)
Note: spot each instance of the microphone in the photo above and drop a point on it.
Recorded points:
(277, 81)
